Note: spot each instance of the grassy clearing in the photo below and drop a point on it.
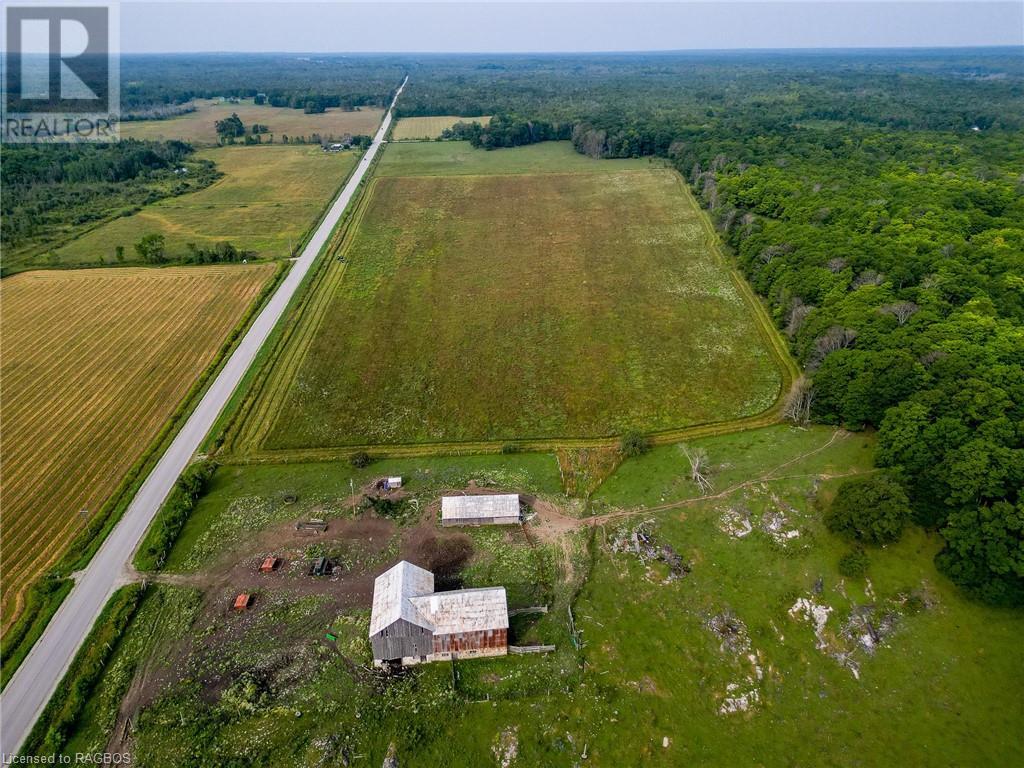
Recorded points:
(198, 127)
(589, 302)
(95, 363)
(455, 158)
(430, 127)
(649, 684)
(243, 499)
(266, 202)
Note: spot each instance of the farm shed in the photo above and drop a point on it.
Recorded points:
(500, 509)
(412, 624)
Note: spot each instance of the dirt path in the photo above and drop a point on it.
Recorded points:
(551, 524)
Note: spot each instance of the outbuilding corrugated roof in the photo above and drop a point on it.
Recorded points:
(407, 592)
(391, 593)
(479, 507)
(464, 610)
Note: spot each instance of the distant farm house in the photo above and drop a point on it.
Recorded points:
(412, 624)
(480, 510)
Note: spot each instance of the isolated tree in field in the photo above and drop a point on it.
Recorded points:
(360, 459)
(700, 471)
(151, 249)
(872, 509)
(230, 127)
(854, 564)
(634, 443)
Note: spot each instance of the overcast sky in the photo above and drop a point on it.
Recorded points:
(495, 27)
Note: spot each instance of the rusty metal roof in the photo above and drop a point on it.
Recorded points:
(407, 592)
(464, 610)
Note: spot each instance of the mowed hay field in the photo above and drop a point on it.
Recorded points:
(94, 364)
(198, 127)
(518, 306)
(268, 199)
(430, 127)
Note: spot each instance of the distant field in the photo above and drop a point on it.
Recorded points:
(267, 200)
(198, 126)
(512, 306)
(94, 363)
(431, 127)
(456, 158)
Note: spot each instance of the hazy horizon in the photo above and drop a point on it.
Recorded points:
(422, 28)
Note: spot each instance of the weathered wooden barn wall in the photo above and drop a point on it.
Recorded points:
(402, 639)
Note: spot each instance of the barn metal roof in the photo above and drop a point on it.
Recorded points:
(479, 507)
(407, 592)
(464, 610)
(391, 593)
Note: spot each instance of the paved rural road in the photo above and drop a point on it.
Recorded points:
(35, 681)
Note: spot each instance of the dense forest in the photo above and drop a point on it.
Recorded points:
(876, 201)
(52, 191)
(153, 84)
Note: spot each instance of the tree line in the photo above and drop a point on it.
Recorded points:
(52, 191)
(876, 201)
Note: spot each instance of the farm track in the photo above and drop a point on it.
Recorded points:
(94, 365)
(552, 524)
(30, 687)
(243, 447)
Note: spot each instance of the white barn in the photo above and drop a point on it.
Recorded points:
(495, 509)
(412, 624)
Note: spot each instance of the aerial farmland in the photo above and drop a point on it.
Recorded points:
(580, 302)
(422, 128)
(667, 416)
(198, 125)
(95, 363)
(265, 202)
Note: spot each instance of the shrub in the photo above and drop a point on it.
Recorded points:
(50, 734)
(872, 509)
(174, 514)
(854, 564)
(634, 444)
(360, 459)
(509, 448)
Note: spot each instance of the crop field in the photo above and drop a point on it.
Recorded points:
(430, 127)
(198, 127)
(94, 364)
(456, 158)
(268, 199)
(736, 654)
(523, 306)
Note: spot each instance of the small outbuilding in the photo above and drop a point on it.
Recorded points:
(412, 624)
(494, 509)
(243, 601)
(270, 564)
